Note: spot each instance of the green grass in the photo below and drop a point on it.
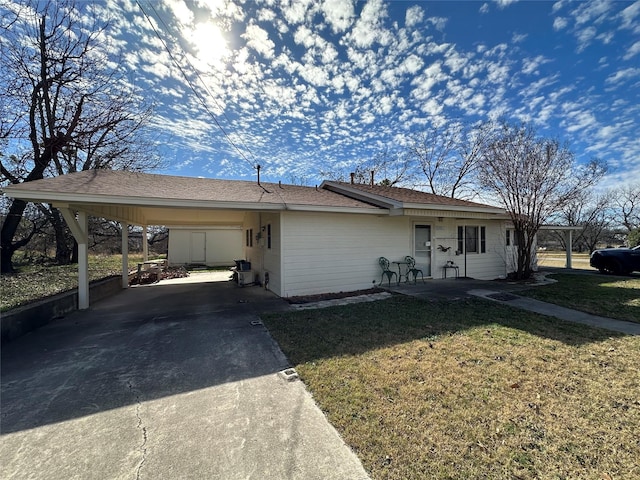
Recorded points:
(470, 389)
(608, 296)
(34, 282)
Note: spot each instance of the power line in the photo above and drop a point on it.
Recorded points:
(193, 89)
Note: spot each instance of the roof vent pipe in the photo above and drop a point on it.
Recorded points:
(372, 174)
(353, 178)
(258, 167)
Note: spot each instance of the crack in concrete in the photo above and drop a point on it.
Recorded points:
(143, 446)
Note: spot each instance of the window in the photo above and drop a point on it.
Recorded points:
(246, 242)
(268, 235)
(472, 239)
(512, 239)
(249, 239)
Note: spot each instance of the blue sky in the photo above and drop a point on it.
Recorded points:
(305, 86)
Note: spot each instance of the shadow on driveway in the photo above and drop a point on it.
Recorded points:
(158, 339)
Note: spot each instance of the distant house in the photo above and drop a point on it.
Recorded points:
(299, 240)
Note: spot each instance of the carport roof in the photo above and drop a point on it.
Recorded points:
(143, 198)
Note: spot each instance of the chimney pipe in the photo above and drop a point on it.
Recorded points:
(258, 168)
(372, 173)
(353, 178)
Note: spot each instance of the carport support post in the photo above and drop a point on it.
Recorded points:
(568, 235)
(145, 244)
(125, 254)
(80, 228)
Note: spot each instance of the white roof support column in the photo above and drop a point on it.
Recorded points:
(79, 226)
(568, 236)
(145, 244)
(125, 254)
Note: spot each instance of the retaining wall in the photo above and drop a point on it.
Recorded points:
(22, 320)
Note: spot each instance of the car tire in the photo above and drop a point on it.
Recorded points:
(611, 267)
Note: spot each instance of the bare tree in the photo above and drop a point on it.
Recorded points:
(592, 213)
(626, 202)
(64, 106)
(448, 157)
(534, 179)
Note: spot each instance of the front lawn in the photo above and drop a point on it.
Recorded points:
(470, 389)
(604, 295)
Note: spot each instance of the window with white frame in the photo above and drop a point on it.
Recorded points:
(472, 239)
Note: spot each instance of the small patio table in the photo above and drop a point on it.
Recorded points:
(400, 274)
(455, 268)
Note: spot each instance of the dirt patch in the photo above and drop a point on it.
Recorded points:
(331, 296)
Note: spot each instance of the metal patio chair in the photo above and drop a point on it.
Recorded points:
(412, 270)
(384, 265)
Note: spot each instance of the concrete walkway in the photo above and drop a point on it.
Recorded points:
(169, 381)
(557, 311)
(507, 292)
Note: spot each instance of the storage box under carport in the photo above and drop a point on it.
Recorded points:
(243, 274)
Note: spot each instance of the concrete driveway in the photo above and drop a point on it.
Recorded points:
(176, 380)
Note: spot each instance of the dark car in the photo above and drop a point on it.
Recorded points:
(618, 261)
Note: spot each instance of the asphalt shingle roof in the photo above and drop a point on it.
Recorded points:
(129, 186)
(407, 195)
(111, 183)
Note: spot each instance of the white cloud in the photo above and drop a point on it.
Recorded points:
(632, 51)
(531, 65)
(504, 3)
(559, 23)
(181, 12)
(258, 39)
(338, 13)
(412, 64)
(623, 75)
(314, 75)
(592, 12)
(414, 16)
(368, 27)
(484, 8)
(296, 11)
(628, 16)
(585, 37)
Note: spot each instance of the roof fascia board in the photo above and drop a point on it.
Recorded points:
(382, 202)
(75, 198)
(331, 209)
(455, 208)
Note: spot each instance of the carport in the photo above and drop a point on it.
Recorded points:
(141, 200)
(568, 237)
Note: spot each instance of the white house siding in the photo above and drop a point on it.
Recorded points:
(221, 245)
(325, 252)
(272, 258)
(489, 265)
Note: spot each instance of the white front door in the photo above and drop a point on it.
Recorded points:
(198, 246)
(422, 248)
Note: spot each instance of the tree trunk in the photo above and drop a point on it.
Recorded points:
(64, 250)
(9, 228)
